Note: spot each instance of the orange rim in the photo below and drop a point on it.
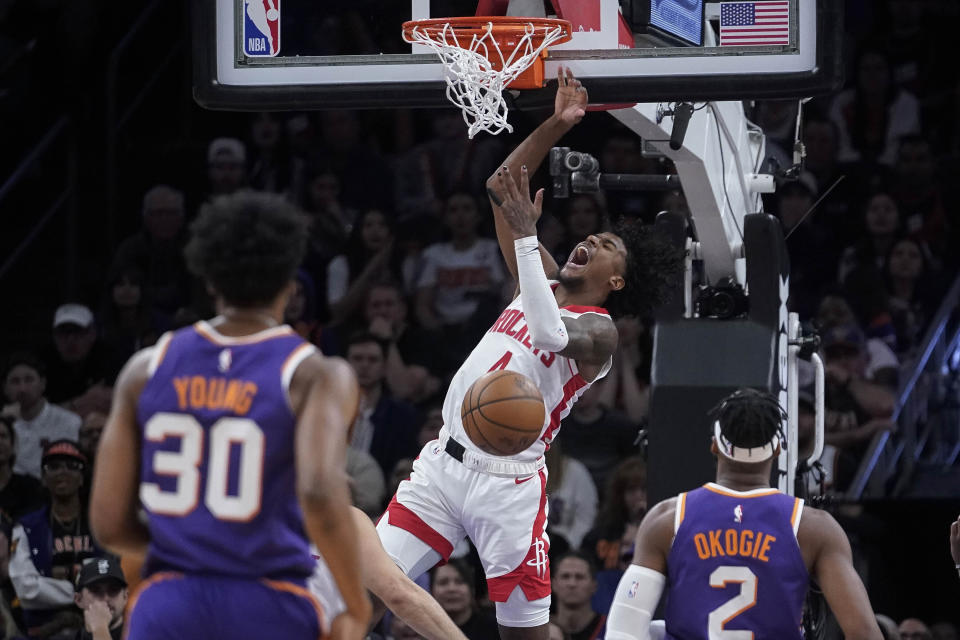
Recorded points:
(502, 28)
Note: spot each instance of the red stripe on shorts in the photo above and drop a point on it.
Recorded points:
(533, 574)
(400, 516)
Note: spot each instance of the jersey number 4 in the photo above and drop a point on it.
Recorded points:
(733, 607)
(183, 466)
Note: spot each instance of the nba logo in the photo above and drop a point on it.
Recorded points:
(261, 28)
(632, 591)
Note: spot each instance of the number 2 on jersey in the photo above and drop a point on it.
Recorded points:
(733, 607)
(183, 465)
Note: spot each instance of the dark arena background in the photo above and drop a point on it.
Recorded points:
(106, 159)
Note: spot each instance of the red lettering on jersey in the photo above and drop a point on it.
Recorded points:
(502, 362)
(509, 328)
(548, 358)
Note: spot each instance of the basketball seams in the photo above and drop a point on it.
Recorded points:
(479, 409)
(482, 434)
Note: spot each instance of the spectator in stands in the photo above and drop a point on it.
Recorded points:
(345, 144)
(624, 504)
(270, 163)
(330, 226)
(888, 627)
(926, 209)
(874, 114)
(370, 256)
(460, 286)
(39, 421)
(432, 423)
(89, 437)
(574, 583)
(443, 164)
(882, 364)
(367, 484)
(101, 593)
(911, 288)
(301, 311)
(944, 631)
(621, 153)
(385, 427)
(810, 246)
(11, 615)
(914, 629)
(588, 418)
(127, 322)
(412, 357)
(452, 585)
(881, 221)
(19, 493)
(156, 251)
(226, 166)
(821, 140)
(572, 498)
(50, 545)
(626, 386)
(955, 543)
(80, 368)
(857, 409)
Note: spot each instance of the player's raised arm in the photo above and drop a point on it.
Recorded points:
(833, 568)
(569, 108)
(114, 496)
(325, 392)
(640, 588)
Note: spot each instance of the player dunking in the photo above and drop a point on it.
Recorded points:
(560, 337)
(737, 554)
(232, 436)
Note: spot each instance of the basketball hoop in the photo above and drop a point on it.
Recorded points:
(483, 56)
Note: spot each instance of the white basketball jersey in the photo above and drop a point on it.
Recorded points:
(506, 345)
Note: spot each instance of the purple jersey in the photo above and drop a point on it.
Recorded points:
(217, 469)
(735, 568)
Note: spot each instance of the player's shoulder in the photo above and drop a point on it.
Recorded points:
(663, 514)
(818, 528)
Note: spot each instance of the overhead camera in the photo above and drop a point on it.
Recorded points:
(723, 301)
(573, 170)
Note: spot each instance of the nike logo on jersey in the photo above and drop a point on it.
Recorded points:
(522, 480)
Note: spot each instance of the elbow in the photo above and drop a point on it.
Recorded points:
(320, 491)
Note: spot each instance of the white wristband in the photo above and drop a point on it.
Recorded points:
(544, 324)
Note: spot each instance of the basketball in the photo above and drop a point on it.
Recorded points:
(503, 412)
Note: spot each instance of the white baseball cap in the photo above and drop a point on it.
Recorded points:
(76, 314)
(232, 148)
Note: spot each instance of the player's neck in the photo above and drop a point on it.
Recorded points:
(236, 321)
(567, 296)
(743, 480)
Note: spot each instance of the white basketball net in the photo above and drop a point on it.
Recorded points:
(473, 84)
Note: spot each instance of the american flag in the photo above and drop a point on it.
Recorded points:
(755, 23)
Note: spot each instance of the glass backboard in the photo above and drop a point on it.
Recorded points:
(304, 54)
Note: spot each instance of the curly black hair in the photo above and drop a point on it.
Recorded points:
(247, 246)
(652, 271)
(749, 418)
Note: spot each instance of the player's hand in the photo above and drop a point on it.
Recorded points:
(570, 104)
(347, 627)
(97, 616)
(518, 210)
(955, 541)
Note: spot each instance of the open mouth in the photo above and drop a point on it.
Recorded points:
(580, 256)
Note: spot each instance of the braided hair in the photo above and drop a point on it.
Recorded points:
(749, 418)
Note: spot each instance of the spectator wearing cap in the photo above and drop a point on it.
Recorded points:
(155, 252)
(80, 368)
(102, 596)
(810, 482)
(19, 493)
(50, 545)
(226, 166)
(39, 421)
(857, 409)
(882, 363)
